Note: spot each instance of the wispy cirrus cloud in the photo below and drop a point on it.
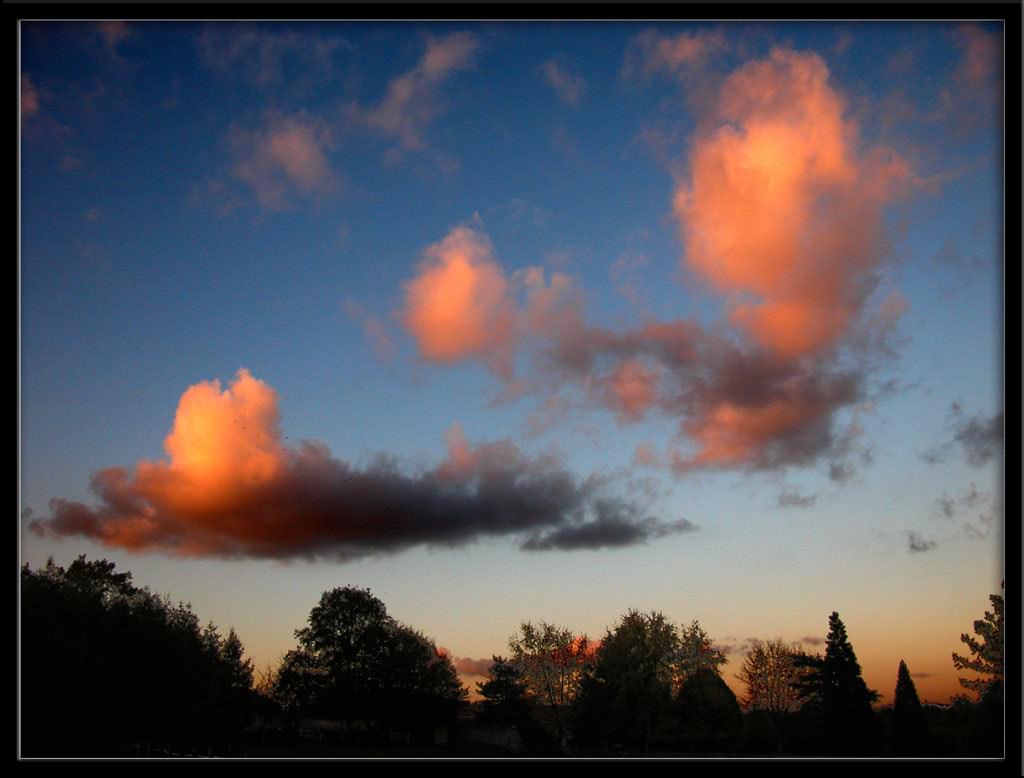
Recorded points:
(232, 488)
(412, 100)
(652, 52)
(269, 58)
(569, 86)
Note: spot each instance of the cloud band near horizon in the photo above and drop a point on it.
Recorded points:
(231, 489)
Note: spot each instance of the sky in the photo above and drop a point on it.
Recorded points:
(522, 322)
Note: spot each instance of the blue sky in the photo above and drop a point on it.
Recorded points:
(198, 198)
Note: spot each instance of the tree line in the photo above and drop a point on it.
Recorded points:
(109, 669)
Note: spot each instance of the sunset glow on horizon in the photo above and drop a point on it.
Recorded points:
(522, 322)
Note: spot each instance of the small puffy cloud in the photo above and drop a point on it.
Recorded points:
(981, 438)
(568, 86)
(29, 98)
(459, 304)
(916, 544)
(412, 101)
(231, 488)
(812, 640)
(969, 499)
(287, 156)
(113, 32)
(467, 666)
(981, 56)
(971, 99)
(632, 389)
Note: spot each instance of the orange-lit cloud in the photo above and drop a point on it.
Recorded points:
(230, 487)
(459, 304)
(782, 210)
(287, 156)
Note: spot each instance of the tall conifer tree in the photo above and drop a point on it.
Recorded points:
(909, 727)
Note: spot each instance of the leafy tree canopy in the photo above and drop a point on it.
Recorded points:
(354, 660)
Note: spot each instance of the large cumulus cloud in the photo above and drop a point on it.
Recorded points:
(780, 210)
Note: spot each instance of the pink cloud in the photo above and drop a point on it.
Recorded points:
(568, 86)
(646, 456)
(781, 212)
(113, 32)
(633, 389)
(651, 52)
(29, 98)
(467, 666)
(411, 102)
(285, 157)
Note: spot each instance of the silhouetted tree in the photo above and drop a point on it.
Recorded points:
(909, 727)
(708, 712)
(504, 693)
(771, 676)
(696, 652)
(987, 651)
(552, 662)
(834, 686)
(107, 667)
(355, 662)
(627, 697)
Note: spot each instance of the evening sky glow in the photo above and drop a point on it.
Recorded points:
(525, 321)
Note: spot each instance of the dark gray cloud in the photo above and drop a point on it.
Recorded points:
(812, 640)
(616, 523)
(981, 438)
(792, 498)
(917, 544)
(968, 500)
(320, 506)
(731, 645)
(765, 411)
